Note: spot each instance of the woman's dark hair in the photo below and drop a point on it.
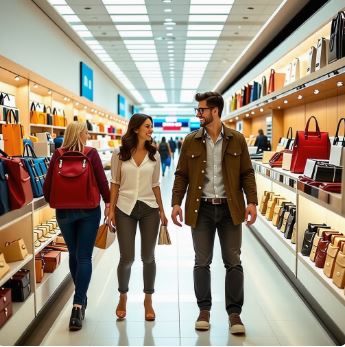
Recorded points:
(130, 138)
(164, 139)
(213, 99)
(261, 132)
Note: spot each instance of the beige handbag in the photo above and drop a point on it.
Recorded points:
(332, 252)
(264, 201)
(287, 156)
(339, 269)
(15, 251)
(4, 267)
(267, 155)
(294, 234)
(285, 218)
(271, 205)
(321, 53)
(311, 60)
(276, 211)
(288, 75)
(295, 71)
(164, 237)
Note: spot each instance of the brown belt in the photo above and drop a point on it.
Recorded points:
(215, 201)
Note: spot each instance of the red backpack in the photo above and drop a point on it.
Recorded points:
(73, 181)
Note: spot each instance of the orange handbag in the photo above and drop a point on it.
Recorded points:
(13, 135)
(276, 81)
(101, 127)
(37, 117)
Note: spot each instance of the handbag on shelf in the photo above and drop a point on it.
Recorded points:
(13, 135)
(52, 260)
(15, 251)
(277, 159)
(274, 200)
(276, 81)
(263, 86)
(267, 155)
(332, 252)
(309, 144)
(284, 214)
(37, 117)
(106, 235)
(311, 61)
(233, 103)
(20, 285)
(286, 142)
(288, 75)
(264, 201)
(4, 194)
(294, 234)
(290, 223)
(321, 53)
(295, 70)
(255, 92)
(309, 235)
(164, 237)
(39, 268)
(339, 269)
(4, 267)
(6, 307)
(336, 156)
(276, 211)
(49, 116)
(331, 187)
(239, 101)
(337, 38)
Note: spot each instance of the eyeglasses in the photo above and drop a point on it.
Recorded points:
(201, 110)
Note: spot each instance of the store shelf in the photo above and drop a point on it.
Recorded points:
(46, 243)
(15, 216)
(51, 282)
(324, 80)
(39, 203)
(15, 267)
(106, 149)
(282, 246)
(57, 127)
(32, 125)
(23, 312)
(328, 296)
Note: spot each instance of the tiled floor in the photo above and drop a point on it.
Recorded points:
(273, 313)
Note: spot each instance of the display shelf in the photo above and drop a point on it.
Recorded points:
(32, 125)
(51, 282)
(23, 314)
(46, 243)
(39, 203)
(15, 216)
(15, 267)
(283, 247)
(99, 133)
(58, 127)
(2, 122)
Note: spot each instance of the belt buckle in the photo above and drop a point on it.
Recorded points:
(216, 201)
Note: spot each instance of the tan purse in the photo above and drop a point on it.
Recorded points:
(4, 267)
(267, 155)
(15, 251)
(271, 205)
(294, 234)
(276, 211)
(332, 252)
(285, 218)
(264, 201)
(164, 237)
(339, 269)
(106, 235)
(287, 156)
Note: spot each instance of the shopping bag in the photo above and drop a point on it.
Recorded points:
(337, 147)
(106, 235)
(13, 135)
(276, 81)
(164, 237)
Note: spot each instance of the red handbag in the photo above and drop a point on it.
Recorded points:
(19, 184)
(309, 144)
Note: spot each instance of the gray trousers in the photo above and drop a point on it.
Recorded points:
(126, 225)
(212, 218)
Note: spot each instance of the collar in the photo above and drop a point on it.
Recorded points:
(226, 132)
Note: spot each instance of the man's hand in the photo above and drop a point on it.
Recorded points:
(177, 211)
(250, 211)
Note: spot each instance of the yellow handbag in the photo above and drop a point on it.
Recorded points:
(4, 267)
(15, 251)
(271, 205)
(233, 103)
(13, 135)
(37, 117)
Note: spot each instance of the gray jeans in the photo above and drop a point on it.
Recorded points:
(212, 218)
(126, 225)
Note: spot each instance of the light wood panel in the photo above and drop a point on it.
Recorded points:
(295, 118)
(259, 122)
(277, 127)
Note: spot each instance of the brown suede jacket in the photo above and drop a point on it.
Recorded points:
(238, 174)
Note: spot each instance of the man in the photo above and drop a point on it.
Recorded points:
(215, 166)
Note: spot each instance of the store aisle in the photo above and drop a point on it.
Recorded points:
(273, 313)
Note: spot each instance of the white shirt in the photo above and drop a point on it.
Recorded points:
(136, 182)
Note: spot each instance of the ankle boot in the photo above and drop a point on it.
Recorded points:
(75, 322)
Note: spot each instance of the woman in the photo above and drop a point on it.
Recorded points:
(79, 226)
(165, 153)
(135, 197)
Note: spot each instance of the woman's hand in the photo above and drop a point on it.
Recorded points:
(164, 219)
(111, 218)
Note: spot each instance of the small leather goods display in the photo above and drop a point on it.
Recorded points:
(20, 285)
(19, 185)
(339, 269)
(6, 307)
(309, 235)
(322, 234)
(52, 260)
(324, 172)
(309, 144)
(311, 60)
(271, 205)
(164, 237)
(331, 187)
(37, 243)
(321, 53)
(336, 156)
(264, 201)
(294, 234)
(4, 267)
(287, 157)
(106, 235)
(276, 81)
(4, 194)
(284, 211)
(15, 250)
(332, 251)
(277, 159)
(337, 38)
(290, 223)
(39, 268)
(295, 70)
(36, 116)
(286, 142)
(13, 135)
(276, 211)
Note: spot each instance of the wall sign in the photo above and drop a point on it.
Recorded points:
(86, 81)
(121, 105)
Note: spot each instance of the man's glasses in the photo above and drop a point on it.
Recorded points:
(201, 110)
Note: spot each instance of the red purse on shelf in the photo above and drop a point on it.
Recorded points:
(309, 144)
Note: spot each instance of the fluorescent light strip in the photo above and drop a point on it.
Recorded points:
(84, 33)
(139, 42)
(159, 95)
(64, 9)
(207, 18)
(130, 18)
(201, 42)
(205, 27)
(210, 9)
(123, 2)
(71, 18)
(57, 2)
(126, 27)
(203, 33)
(135, 33)
(214, 2)
(131, 9)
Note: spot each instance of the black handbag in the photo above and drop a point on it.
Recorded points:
(89, 125)
(49, 114)
(20, 285)
(290, 223)
(4, 197)
(309, 235)
(324, 172)
(337, 38)
(285, 207)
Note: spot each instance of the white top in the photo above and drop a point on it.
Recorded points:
(136, 182)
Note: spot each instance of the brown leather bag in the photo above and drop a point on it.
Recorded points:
(39, 268)
(339, 269)
(4, 267)
(5, 305)
(51, 260)
(332, 252)
(271, 206)
(264, 201)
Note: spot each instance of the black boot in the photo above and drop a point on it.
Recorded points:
(83, 309)
(75, 322)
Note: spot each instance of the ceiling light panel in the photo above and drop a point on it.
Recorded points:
(209, 9)
(214, 2)
(123, 2)
(139, 42)
(135, 33)
(130, 18)
(71, 18)
(131, 27)
(207, 18)
(131, 9)
(64, 9)
(201, 42)
(205, 27)
(203, 33)
(159, 95)
(57, 2)
(187, 95)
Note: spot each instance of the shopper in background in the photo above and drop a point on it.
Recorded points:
(172, 145)
(136, 198)
(79, 226)
(262, 142)
(215, 167)
(179, 144)
(165, 153)
(58, 140)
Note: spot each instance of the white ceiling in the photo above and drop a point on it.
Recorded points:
(245, 19)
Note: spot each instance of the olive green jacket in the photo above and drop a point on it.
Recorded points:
(238, 174)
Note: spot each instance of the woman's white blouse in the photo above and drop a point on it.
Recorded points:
(136, 182)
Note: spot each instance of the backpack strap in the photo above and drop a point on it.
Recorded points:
(87, 150)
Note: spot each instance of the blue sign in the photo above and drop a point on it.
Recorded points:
(135, 109)
(121, 105)
(86, 81)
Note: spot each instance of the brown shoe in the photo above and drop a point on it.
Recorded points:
(203, 321)
(236, 325)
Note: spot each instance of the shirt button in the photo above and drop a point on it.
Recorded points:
(202, 171)
(204, 161)
(199, 187)
(192, 155)
(195, 210)
(235, 153)
(197, 200)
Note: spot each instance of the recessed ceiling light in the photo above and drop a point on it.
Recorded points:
(167, 10)
(285, 101)
(316, 91)
(245, 17)
(17, 78)
(35, 85)
(300, 97)
(236, 33)
(77, 103)
(261, 110)
(247, 114)
(167, 1)
(169, 28)
(250, 8)
(279, 107)
(340, 84)
(49, 91)
(168, 19)
(87, 8)
(252, 112)
(170, 34)
(237, 118)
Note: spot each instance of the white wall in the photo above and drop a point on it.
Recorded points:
(29, 38)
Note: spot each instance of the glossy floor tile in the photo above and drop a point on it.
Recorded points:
(273, 313)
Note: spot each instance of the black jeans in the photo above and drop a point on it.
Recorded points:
(79, 229)
(212, 218)
(126, 225)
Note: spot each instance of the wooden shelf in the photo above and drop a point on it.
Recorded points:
(325, 80)
(15, 267)
(32, 125)
(15, 216)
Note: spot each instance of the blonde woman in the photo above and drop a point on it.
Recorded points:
(79, 226)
